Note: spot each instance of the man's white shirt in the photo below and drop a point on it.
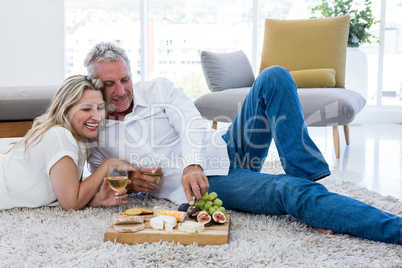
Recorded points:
(164, 129)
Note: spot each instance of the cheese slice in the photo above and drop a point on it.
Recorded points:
(169, 227)
(163, 222)
(191, 227)
(179, 215)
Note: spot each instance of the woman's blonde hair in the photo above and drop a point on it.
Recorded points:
(66, 97)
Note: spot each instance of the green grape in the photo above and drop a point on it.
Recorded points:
(211, 211)
(205, 197)
(208, 205)
(215, 207)
(201, 204)
(218, 202)
(212, 196)
(221, 209)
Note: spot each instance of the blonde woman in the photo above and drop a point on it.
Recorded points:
(47, 164)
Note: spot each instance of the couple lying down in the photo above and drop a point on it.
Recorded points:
(104, 117)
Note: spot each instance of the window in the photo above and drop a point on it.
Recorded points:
(186, 28)
(392, 55)
(179, 30)
(90, 22)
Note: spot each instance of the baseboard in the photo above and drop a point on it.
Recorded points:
(14, 129)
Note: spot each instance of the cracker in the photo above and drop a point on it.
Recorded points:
(147, 211)
(132, 212)
(137, 211)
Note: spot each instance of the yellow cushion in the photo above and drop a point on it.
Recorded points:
(307, 44)
(312, 78)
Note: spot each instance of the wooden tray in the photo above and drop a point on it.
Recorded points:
(215, 234)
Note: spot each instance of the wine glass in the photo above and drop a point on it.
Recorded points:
(157, 174)
(117, 177)
(155, 163)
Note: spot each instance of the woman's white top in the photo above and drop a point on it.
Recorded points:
(25, 176)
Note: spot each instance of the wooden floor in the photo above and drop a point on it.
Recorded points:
(14, 129)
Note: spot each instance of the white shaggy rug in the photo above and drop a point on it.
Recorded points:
(51, 237)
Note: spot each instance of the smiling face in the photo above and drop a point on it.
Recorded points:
(87, 113)
(116, 77)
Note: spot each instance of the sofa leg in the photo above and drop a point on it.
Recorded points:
(335, 134)
(215, 124)
(346, 130)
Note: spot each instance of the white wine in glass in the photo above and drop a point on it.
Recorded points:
(157, 174)
(117, 177)
(117, 183)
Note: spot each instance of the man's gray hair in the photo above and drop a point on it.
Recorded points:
(104, 52)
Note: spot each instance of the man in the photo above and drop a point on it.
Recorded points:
(154, 122)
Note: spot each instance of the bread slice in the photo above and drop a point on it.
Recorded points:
(129, 228)
(122, 219)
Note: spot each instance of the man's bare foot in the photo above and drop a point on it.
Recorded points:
(324, 231)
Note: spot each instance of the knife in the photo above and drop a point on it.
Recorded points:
(188, 210)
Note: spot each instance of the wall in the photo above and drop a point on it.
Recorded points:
(31, 42)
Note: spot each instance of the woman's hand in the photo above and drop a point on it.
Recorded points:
(106, 197)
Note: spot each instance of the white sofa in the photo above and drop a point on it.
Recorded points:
(25, 102)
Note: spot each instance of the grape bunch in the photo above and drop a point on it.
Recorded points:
(210, 203)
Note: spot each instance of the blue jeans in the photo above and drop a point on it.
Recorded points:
(272, 111)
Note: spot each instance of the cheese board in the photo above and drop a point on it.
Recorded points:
(215, 234)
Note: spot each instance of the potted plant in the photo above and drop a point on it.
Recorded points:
(360, 20)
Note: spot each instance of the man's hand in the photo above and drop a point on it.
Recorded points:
(195, 183)
(141, 182)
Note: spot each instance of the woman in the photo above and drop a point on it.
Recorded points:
(47, 164)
